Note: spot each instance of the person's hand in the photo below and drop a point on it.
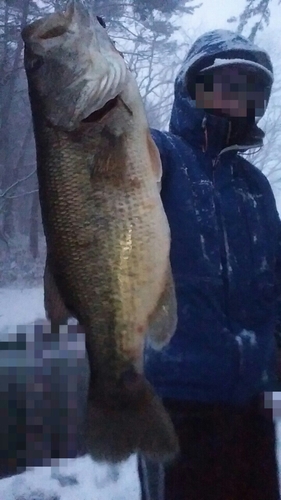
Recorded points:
(43, 394)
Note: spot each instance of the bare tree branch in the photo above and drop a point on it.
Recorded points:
(15, 184)
(26, 193)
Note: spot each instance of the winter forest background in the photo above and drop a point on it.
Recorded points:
(154, 36)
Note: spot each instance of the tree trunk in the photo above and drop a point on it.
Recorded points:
(34, 226)
(8, 172)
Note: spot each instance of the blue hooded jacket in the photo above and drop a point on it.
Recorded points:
(225, 251)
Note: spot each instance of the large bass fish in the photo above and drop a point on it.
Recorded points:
(107, 235)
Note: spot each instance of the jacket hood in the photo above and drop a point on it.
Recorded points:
(218, 47)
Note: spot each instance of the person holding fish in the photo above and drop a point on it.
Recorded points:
(226, 262)
(176, 290)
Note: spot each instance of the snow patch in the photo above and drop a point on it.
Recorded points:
(249, 336)
(245, 336)
(264, 264)
(218, 41)
(227, 251)
(203, 245)
(20, 306)
(74, 479)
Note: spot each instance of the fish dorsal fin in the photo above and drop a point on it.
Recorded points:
(155, 158)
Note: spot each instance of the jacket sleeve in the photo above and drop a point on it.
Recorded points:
(270, 208)
(278, 321)
(272, 211)
(278, 285)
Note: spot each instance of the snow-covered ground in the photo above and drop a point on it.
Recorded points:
(79, 478)
(19, 307)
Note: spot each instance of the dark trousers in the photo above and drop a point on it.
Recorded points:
(227, 453)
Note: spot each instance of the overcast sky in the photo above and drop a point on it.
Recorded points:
(214, 14)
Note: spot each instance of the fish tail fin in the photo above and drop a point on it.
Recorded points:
(126, 420)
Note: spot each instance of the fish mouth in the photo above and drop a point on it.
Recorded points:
(97, 115)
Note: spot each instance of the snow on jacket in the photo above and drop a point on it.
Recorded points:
(224, 254)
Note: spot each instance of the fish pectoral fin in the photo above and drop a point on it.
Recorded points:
(163, 321)
(155, 158)
(55, 308)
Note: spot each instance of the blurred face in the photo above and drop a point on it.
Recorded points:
(230, 91)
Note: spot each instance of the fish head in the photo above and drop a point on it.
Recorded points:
(72, 66)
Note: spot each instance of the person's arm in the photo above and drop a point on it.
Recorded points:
(278, 323)
(43, 393)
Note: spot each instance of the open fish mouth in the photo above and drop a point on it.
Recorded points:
(74, 66)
